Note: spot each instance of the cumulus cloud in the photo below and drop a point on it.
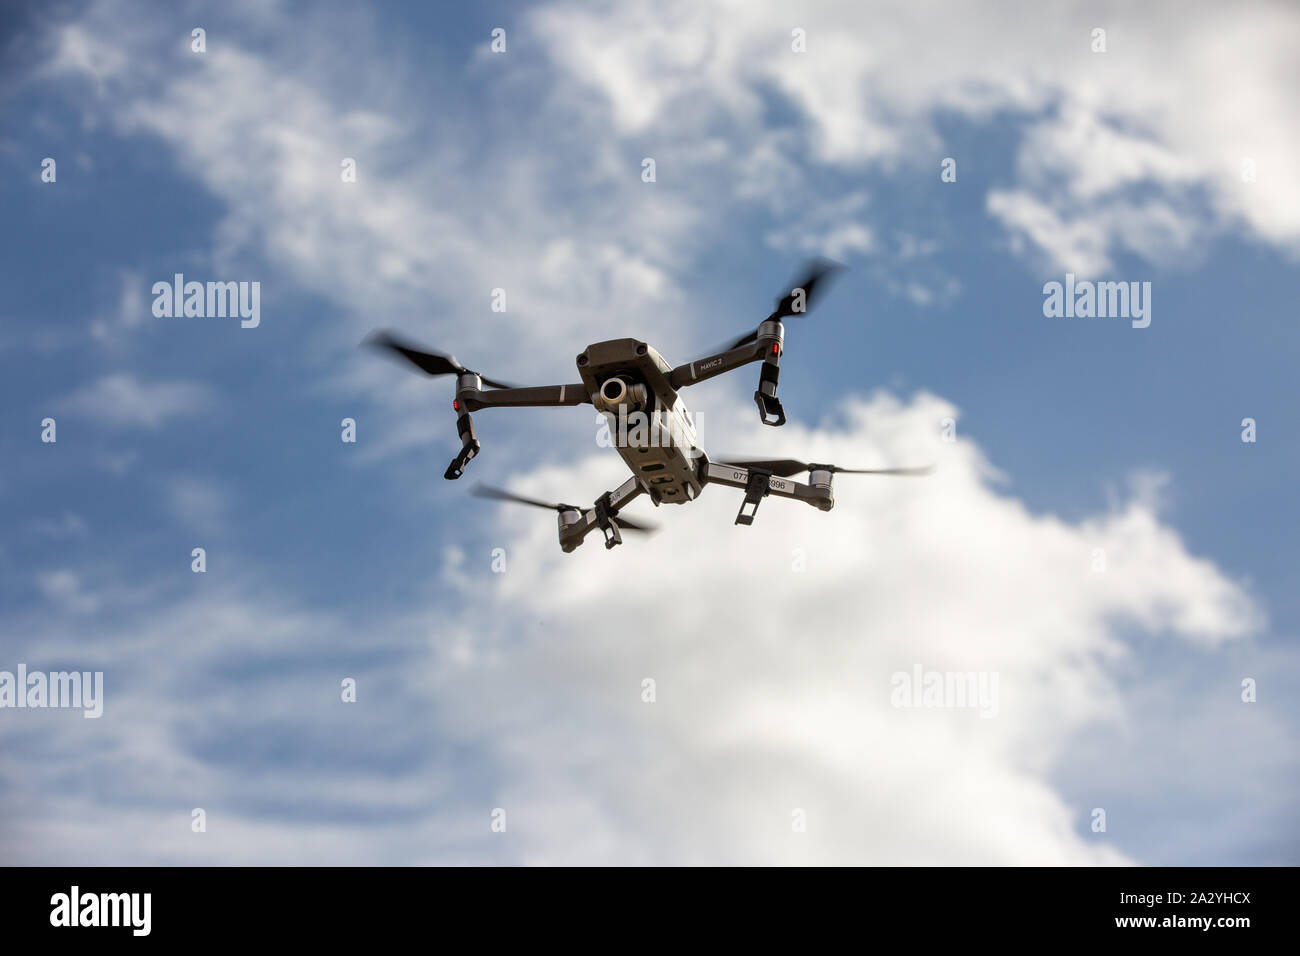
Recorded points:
(773, 650)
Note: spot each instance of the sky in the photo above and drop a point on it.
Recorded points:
(1098, 544)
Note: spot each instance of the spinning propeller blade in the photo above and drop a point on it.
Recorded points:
(431, 363)
(789, 467)
(500, 494)
(817, 276)
(639, 526)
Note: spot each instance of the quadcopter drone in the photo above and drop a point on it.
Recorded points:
(630, 382)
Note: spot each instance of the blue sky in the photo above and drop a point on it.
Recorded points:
(522, 171)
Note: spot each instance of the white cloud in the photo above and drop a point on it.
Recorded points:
(123, 401)
(196, 503)
(80, 51)
(428, 230)
(1080, 245)
(1084, 241)
(132, 309)
(833, 228)
(63, 588)
(1135, 150)
(773, 685)
(1183, 94)
(431, 226)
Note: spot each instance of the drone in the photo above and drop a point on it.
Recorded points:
(631, 383)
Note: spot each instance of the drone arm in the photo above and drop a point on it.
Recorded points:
(543, 395)
(769, 341)
(758, 484)
(607, 506)
(714, 365)
(470, 398)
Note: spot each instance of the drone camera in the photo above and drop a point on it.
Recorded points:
(618, 394)
(614, 391)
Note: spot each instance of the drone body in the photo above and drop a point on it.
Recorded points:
(629, 381)
(640, 392)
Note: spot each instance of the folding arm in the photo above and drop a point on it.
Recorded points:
(473, 398)
(767, 346)
(758, 484)
(470, 397)
(574, 529)
(714, 365)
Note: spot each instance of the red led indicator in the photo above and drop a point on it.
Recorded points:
(776, 348)
(455, 405)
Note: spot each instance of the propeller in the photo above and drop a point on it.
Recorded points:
(499, 494)
(431, 363)
(788, 467)
(817, 276)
